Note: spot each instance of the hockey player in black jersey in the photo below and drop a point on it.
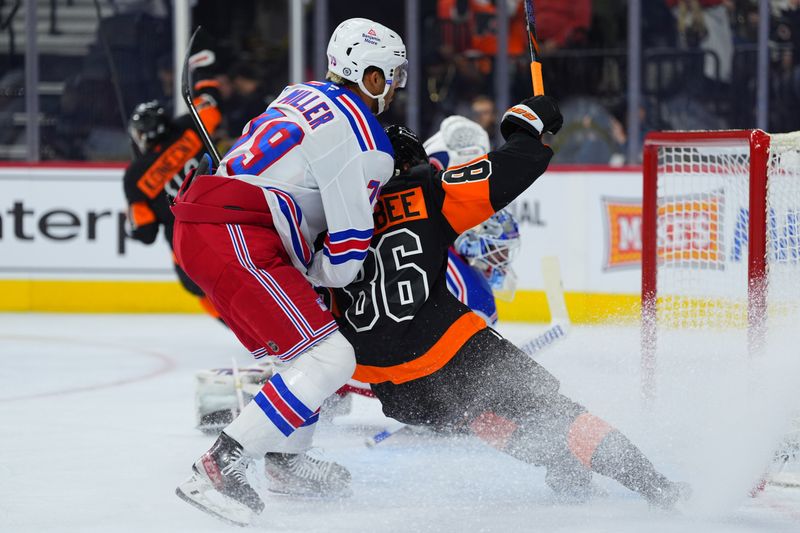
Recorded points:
(169, 148)
(431, 361)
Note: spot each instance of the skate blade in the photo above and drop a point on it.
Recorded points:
(196, 491)
(311, 494)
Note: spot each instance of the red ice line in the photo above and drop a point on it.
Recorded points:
(167, 364)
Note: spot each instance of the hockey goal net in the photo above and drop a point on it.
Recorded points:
(720, 238)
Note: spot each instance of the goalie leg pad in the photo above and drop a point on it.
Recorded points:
(216, 403)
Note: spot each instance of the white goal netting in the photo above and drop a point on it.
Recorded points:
(703, 199)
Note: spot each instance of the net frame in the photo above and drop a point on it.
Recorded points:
(757, 143)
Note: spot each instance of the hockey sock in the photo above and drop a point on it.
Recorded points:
(291, 398)
(493, 429)
(605, 450)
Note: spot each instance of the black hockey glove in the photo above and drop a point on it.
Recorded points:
(539, 114)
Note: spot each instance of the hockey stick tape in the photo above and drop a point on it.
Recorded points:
(523, 112)
(203, 58)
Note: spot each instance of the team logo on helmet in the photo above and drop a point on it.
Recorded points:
(332, 61)
(371, 37)
(346, 71)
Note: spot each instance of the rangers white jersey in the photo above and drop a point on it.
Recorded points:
(321, 158)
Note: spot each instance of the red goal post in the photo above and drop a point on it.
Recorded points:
(705, 199)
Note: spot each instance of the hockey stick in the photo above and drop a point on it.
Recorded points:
(186, 92)
(545, 339)
(112, 69)
(237, 386)
(385, 434)
(559, 320)
(533, 43)
(559, 317)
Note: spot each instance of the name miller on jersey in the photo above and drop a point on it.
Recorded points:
(300, 99)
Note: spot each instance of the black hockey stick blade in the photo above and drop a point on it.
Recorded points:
(186, 92)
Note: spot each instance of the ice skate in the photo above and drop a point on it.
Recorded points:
(669, 496)
(219, 484)
(306, 474)
(572, 486)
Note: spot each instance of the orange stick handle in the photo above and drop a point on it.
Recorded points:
(536, 76)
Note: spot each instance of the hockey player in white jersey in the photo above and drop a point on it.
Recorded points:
(311, 165)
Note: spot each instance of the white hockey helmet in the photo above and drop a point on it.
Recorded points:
(357, 44)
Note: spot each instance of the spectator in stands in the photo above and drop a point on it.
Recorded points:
(166, 75)
(484, 113)
(787, 37)
(12, 101)
(593, 134)
(705, 24)
(563, 24)
(248, 99)
(658, 25)
(452, 80)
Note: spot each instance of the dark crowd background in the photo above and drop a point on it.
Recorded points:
(698, 66)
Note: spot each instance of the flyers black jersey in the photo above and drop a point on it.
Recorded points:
(398, 313)
(161, 170)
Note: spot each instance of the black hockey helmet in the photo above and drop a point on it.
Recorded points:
(149, 122)
(408, 149)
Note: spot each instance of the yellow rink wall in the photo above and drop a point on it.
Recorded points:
(169, 297)
(97, 297)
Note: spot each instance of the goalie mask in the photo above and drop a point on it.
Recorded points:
(408, 149)
(490, 248)
(149, 123)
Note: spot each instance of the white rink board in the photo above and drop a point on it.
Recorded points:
(569, 222)
(68, 223)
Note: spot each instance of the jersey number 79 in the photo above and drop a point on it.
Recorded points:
(267, 139)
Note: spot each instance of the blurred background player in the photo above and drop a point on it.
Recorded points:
(312, 164)
(169, 149)
(433, 362)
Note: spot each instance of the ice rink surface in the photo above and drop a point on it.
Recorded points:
(97, 428)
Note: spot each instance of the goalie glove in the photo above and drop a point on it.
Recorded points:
(460, 138)
(538, 115)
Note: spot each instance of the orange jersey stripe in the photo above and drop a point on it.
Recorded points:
(466, 200)
(439, 355)
(169, 163)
